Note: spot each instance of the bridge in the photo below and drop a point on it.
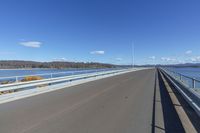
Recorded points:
(122, 101)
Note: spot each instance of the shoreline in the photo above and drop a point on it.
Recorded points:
(52, 69)
(31, 69)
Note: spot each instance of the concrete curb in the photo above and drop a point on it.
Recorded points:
(187, 124)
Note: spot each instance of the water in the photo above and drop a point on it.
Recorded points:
(188, 71)
(11, 76)
(193, 73)
(10, 73)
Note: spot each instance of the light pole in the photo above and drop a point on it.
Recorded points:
(133, 54)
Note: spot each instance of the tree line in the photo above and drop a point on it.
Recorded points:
(55, 64)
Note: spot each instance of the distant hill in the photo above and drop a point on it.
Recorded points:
(168, 65)
(176, 65)
(187, 65)
(16, 64)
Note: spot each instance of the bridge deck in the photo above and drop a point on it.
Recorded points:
(120, 104)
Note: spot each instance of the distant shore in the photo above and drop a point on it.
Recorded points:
(26, 69)
(49, 68)
(31, 65)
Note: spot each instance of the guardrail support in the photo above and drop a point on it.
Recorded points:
(16, 79)
(193, 83)
(190, 96)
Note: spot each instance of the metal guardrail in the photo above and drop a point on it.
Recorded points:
(18, 86)
(188, 93)
(186, 80)
(14, 79)
(59, 83)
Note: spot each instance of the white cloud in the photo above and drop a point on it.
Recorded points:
(195, 59)
(152, 57)
(168, 59)
(97, 52)
(119, 59)
(60, 59)
(32, 44)
(181, 61)
(188, 52)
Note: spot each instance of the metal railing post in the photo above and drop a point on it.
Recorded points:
(51, 75)
(16, 79)
(193, 83)
(181, 77)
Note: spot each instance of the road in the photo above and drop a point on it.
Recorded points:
(119, 104)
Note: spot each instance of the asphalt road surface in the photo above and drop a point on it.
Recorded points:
(119, 104)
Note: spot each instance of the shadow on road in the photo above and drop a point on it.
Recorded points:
(192, 115)
(172, 122)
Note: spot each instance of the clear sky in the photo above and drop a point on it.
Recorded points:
(163, 31)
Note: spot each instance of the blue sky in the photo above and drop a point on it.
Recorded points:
(163, 31)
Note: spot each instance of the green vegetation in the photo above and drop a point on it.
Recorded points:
(54, 65)
(6, 92)
(28, 78)
(4, 82)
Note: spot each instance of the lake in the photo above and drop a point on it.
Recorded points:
(188, 71)
(46, 72)
(19, 74)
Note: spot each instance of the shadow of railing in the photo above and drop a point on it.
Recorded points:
(172, 122)
(192, 115)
